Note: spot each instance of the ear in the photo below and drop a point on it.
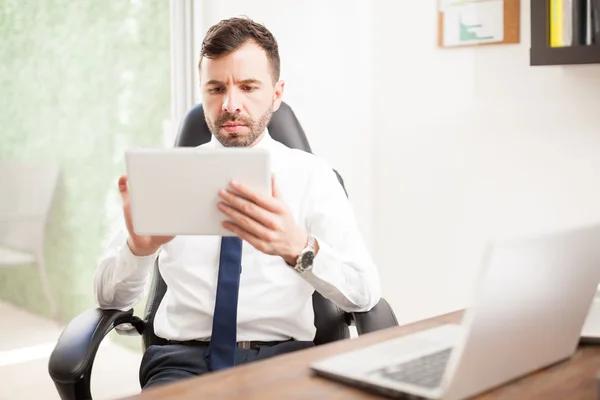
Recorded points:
(278, 95)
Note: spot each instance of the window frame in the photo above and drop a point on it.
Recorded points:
(187, 30)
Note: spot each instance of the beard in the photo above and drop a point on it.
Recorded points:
(238, 139)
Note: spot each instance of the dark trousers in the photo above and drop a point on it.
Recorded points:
(172, 362)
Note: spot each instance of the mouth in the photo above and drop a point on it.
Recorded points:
(233, 127)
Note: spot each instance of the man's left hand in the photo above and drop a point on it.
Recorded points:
(263, 221)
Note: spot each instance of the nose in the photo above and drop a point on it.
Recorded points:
(231, 103)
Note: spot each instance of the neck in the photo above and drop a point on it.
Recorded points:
(258, 139)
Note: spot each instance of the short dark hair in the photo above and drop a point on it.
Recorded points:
(230, 34)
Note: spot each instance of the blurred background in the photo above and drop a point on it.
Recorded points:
(440, 149)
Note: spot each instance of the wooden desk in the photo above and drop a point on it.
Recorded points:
(288, 376)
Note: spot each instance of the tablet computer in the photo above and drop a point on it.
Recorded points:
(174, 191)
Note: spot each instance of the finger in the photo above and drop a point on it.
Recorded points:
(267, 202)
(245, 235)
(123, 188)
(245, 222)
(275, 188)
(122, 183)
(254, 211)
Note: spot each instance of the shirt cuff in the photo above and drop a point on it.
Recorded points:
(132, 266)
(328, 275)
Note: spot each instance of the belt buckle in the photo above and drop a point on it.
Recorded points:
(244, 345)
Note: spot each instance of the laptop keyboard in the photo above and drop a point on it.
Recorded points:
(426, 371)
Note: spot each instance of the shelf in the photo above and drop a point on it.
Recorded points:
(542, 54)
(564, 55)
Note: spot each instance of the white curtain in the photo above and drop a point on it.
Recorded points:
(186, 39)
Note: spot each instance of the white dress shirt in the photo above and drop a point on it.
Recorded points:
(275, 301)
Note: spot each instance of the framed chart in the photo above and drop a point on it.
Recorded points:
(478, 22)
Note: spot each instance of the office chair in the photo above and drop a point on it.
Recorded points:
(70, 364)
(28, 190)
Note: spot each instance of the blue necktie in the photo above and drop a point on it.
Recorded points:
(223, 342)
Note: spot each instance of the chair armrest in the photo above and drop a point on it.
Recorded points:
(73, 355)
(379, 317)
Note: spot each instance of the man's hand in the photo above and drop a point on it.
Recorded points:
(263, 221)
(139, 245)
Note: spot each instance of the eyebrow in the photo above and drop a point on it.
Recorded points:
(242, 82)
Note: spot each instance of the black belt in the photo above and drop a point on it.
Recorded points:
(249, 344)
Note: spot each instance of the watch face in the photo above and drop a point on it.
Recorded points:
(307, 259)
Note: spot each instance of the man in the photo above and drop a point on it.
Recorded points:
(300, 239)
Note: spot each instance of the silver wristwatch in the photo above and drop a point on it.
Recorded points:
(304, 262)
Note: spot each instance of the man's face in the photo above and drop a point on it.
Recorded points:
(238, 95)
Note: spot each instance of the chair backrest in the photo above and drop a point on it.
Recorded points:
(26, 194)
(330, 321)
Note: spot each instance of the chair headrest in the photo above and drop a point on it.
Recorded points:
(284, 127)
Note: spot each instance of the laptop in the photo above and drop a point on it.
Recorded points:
(530, 303)
(175, 191)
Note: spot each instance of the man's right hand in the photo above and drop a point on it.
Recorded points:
(139, 245)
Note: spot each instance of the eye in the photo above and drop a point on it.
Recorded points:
(247, 88)
(215, 90)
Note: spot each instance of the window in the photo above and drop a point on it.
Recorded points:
(81, 81)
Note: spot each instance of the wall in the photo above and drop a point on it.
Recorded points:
(469, 144)
(80, 83)
(325, 50)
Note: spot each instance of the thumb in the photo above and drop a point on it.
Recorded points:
(123, 189)
(274, 187)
